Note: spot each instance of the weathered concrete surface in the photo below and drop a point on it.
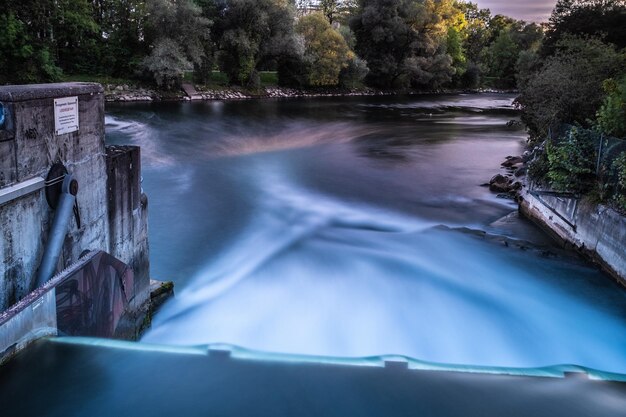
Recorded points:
(90, 298)
(13, 93)
(128, 216)
(595, 230)
(96, 294)
(191, 91)
(31, 319)
(8, 166)
(32, 147)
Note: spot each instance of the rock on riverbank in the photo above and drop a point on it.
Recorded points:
(136, 93)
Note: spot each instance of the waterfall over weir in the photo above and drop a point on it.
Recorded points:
(341, 227)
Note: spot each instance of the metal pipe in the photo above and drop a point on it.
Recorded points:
(2, 116)
(60, 226)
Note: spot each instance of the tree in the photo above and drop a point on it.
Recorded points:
(501, 58)
(454, 48)
(329, 9)
(123, 44)
(75, 36)
(21, 59)
(567, 88)
(255, 32)
(326, 51)
(404, 41)
(167, 63)
(612, 115)
(506, 39)
(178, 33)
(477, 33)
(203, 71)
(476, 37)
(595, 18)
(385, 39)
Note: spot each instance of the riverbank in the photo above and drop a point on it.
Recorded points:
(138, 93)
(595, 231)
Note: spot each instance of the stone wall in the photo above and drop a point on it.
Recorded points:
(595, 230)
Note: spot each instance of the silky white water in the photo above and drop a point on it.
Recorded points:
(314, 226)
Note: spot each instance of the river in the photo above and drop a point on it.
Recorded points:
(346, 229)
(352, 227)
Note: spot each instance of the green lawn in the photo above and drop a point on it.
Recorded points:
(269, 78)
(219, 79)
(102, 79)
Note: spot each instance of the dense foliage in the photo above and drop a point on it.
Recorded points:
(567, 86)
(423, 44)
(578, 78)
(326, 51)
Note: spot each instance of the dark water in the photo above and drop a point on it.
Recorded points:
(56, 379)
(313, 226)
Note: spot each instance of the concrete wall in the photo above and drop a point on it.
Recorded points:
(128, 216)
(29, 149)
(597, 231)
(29, 146)
(90, 298)
(32, 318)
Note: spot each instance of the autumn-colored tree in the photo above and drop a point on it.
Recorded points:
(326, 51)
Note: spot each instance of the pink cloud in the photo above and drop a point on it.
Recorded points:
(529, 10)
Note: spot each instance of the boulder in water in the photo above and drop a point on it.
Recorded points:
(500, 184)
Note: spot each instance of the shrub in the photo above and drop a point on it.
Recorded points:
(571, 161)
(354, 73)
(167, 64)
(619, 165)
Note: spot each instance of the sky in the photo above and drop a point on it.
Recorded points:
(529, 10)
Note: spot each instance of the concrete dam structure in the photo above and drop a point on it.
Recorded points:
(50, 133)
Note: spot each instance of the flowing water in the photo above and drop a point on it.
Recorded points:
(342, 227)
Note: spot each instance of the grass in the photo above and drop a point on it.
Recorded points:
(102, 79)
(219, 79)
(269, 78)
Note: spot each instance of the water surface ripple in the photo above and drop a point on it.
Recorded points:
(313, 226)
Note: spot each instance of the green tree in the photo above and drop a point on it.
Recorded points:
(571, 161)
(611, 118)
(178, 32)
(203, 71)
(509, 38)
(476, 33)
(330, 8)
(326, 51)
(454, 48)
(404, 41)
(167, 64)
(21, 59)
(500, 58)
(476, 38)
(567, 88)
(123, 44)
(254, 33)
(75, 36)
(384, 38)
(596, 18)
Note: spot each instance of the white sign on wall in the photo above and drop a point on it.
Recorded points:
(66, 115)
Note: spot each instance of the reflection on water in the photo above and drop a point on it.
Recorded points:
(308, 226)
